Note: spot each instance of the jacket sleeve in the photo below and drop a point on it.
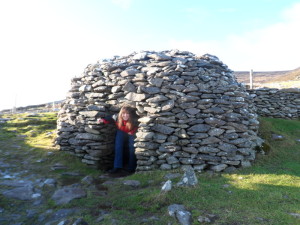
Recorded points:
(108, 119)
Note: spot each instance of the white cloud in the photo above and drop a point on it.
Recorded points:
(273, 48)
(292, 13)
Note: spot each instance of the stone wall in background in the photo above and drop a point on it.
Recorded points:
(277, 103)
(192, 112)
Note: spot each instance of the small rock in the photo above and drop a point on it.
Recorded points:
(50, 182)
(21, 136)
(219, 168)
(8, 177)
(167, 186)
(58, 166)
(132, 183)
(189, 178)
(148, 220)
(203, 219)
(277, 137)
(183, 216)
(36, 195)
(64, 222)
(104, 176)
(88, 180)
(246, 164)
(172, 209)
(296, 215)
(67, 194)
(209, 218)
(40, 160)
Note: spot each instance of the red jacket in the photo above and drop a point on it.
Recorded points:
(123, 127)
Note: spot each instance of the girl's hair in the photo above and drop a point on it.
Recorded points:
(132, 120)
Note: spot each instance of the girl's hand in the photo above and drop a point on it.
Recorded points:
(100, 121)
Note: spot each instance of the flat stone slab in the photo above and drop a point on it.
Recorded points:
(61, 214)
(16, 183)
(67, 194)
(20, 193)
(132, 183)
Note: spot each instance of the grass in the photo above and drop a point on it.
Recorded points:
(265, 193)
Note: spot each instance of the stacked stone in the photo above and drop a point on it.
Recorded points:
(192, 112)
(78, 132)
(277, 103)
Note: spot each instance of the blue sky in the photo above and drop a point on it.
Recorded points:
(44, 43)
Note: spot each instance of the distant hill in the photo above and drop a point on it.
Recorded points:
(277, 79)
(291, 75)
(50, 106)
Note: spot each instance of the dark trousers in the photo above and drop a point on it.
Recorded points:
(120, 146)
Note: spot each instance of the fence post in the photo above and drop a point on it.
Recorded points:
(251, 79)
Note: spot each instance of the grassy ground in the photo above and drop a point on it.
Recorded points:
(266, 193)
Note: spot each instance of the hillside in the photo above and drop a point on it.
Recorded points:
(291, 75)
(272, 79)
(45, 107)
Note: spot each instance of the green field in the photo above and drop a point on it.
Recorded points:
(266, 193)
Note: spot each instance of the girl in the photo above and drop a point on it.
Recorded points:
(126, 128)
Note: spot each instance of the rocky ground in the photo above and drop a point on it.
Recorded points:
(26, 189)
(29, 195)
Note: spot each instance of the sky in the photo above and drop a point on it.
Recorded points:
(45, 43)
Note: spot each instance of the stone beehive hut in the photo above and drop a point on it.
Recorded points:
(192, 112)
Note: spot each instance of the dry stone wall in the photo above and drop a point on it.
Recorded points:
(277, 103)
(192, 112)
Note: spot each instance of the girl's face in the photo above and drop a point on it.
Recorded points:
(125, 116)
